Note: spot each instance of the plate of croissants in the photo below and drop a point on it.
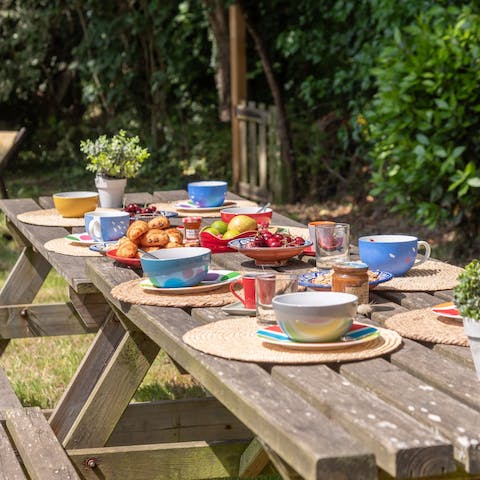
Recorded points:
(148, 236)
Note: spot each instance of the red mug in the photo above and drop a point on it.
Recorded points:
(247, 282)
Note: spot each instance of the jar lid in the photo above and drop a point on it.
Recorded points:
(359, 265)
(191, 219)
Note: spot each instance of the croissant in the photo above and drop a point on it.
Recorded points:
(137, 229)
(159, 222)
(154, 237)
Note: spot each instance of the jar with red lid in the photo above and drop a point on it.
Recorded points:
(351, 277)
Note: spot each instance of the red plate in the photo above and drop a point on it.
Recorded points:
(132, 262)
(217, 245)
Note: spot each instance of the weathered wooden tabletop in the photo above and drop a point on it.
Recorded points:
(412, 414)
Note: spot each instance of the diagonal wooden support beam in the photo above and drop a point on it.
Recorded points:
(253, 460)
(119, 381)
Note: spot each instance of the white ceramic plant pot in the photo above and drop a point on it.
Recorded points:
(110, 191)
(472, 331)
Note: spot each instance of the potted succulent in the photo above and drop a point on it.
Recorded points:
(467, 300)
(114, 160)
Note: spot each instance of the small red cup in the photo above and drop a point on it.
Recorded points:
(247, 284)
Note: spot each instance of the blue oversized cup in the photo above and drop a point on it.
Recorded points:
(208, 193)
(396, 254)
(106, 226)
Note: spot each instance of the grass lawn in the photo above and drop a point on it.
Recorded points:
(39, 378)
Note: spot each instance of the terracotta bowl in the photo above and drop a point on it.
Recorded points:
(75, 204)
(267, 256)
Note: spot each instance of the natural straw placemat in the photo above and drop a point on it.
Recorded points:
(427, 277)
(50, 218)
(63, 246)
(131, 292)
(424, 325)
(170, 207)
(236, 339)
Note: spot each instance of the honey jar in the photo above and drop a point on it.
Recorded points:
(351, 277)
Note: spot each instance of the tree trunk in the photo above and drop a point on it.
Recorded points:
(217, 15)
(284, 128)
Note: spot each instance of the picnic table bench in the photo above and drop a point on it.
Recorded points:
(413, 413)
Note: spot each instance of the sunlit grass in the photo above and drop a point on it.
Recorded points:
(39, 369)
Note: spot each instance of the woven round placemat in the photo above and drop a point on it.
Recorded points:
(131, 292)
(424, 325)
(63, 246)
(50, 218)
(236, 339)
(170, 207)
(427, 277)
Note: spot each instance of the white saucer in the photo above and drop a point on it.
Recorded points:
(238, 308)
(186, 205)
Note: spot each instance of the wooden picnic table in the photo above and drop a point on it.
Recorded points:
(411, 414)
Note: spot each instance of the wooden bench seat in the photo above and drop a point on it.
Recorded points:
(29, 450)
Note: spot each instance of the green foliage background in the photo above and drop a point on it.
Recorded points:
(353, 75)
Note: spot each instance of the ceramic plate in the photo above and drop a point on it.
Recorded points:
(238, 308)
(149, 216)
(132, 262)
(215, 279)
(307, 279)
(447, 309)
(358, 333)
(187, 205)
(83, 238)
(103, 247)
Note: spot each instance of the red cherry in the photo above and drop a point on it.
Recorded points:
(273, 242)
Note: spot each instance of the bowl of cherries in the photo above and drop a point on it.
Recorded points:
(271, 247)
(146, 213)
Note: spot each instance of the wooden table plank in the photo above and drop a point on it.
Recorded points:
(403, 447)
(457, 381)
(451, 418)
(308, 441)
(71, 268)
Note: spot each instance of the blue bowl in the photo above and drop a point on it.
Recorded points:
(209, 193)
(177, 267)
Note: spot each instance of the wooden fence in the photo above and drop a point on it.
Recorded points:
(261, 171)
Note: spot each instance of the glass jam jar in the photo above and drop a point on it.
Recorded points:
(351, 277)
(192, 230)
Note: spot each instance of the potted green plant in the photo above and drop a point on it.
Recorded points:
(114, 160)
(467, 299)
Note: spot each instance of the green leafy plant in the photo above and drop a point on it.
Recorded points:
(424, 121)
(117, 157)
(467, 292)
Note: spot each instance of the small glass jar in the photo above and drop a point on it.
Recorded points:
(192, 229)
(351, 277)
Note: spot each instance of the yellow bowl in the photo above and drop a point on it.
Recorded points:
(75, 204)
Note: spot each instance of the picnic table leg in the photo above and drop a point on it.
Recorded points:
(103, 386)
(23, 282)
